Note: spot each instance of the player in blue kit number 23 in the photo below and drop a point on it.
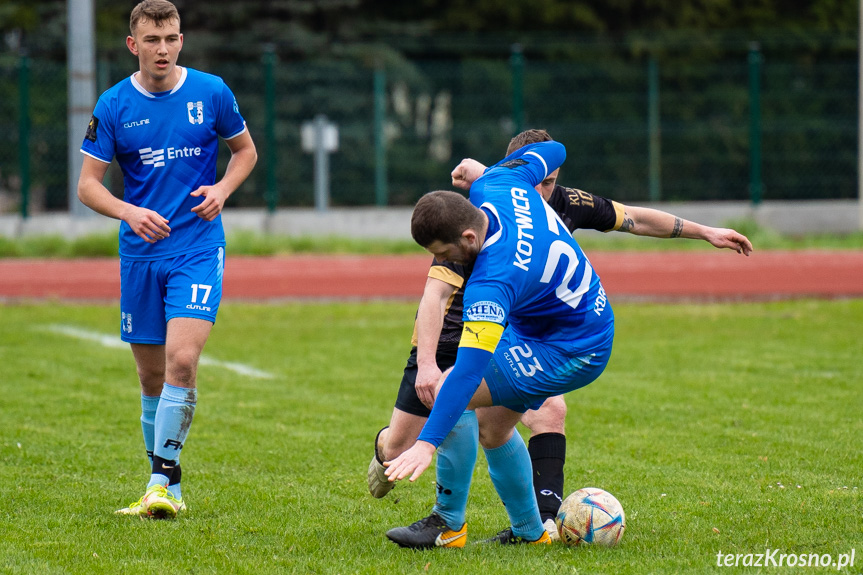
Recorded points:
(537, 324)
(163, 124)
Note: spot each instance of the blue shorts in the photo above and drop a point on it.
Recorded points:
(156, 291)
(525, 372)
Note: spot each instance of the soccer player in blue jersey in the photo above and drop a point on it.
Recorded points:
(537, 324)
(438, 328)
(163, 125)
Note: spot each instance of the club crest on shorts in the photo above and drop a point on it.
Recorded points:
(196, 112)
(126, 322)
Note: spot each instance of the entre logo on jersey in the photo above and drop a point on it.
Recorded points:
(156, 158)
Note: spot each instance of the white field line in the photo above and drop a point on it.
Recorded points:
(116, 343)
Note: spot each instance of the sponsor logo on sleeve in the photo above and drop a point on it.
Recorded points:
(91, 128)
(514, 163)
(485, 311)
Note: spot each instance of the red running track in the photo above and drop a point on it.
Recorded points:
(649, 276)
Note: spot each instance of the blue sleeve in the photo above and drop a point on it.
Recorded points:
(534, 162)
(552, 154)
(99, 141)
(455, 394)
(230, 122)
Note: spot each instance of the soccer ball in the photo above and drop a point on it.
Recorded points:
(590, 516)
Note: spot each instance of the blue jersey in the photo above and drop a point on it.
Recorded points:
(530, 276)
(166, 145)
(531, 273)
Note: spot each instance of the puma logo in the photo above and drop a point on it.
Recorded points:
(474, 333)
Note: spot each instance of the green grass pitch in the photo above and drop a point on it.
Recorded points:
(726, 427)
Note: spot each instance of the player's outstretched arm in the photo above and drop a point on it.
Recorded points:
(244, 156)
(147, 224)
(658, 224)
(728, 238)
(454, 397)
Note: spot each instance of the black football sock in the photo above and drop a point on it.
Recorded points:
(547, 455)
(164, 467)
(174, 483)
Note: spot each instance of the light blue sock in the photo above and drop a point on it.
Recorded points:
(173, 420)
(148, 418)
(512, 475)
(456, 458)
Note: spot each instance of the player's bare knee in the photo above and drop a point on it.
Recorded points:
(151, 380)
(549, 418)
(182, 368)
(555, 408)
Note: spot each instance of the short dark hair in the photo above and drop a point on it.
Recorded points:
(443, 216)
(527, 137)
(156, 11)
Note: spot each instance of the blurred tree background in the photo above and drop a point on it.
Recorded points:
(312, 26)
(450, 74)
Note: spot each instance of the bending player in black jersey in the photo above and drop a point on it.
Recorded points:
(438, 328)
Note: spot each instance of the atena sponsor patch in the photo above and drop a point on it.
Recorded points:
(485, 311)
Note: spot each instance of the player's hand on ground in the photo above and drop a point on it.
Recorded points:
(411, 463)
(427, 384)
(147, 224)
(214, 201)
(466, 173)
(731, 239)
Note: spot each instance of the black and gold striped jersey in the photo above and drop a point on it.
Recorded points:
(581, 210)
(455, 275)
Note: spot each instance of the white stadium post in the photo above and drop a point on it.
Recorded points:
(81, 62)
(321, 137)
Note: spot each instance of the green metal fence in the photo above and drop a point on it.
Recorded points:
(762, 121)
(33, 121)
